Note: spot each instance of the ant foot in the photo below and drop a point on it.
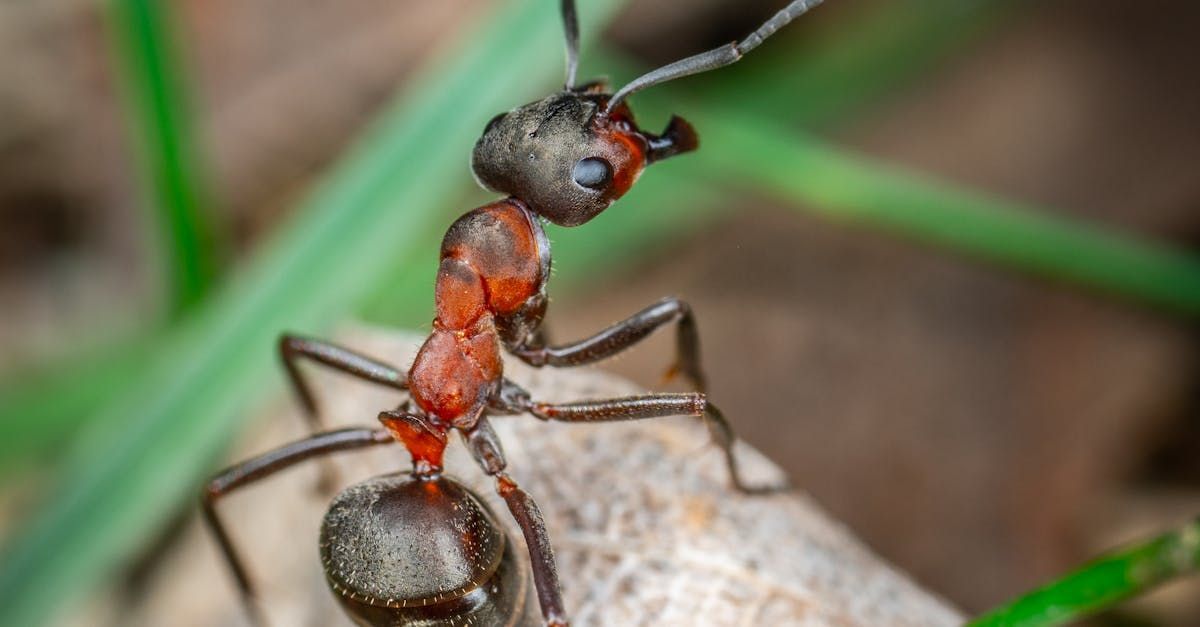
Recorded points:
(762, 490)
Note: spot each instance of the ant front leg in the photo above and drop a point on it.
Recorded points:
(485, 447)
(263, 466)
(658, 406)
(625, 334)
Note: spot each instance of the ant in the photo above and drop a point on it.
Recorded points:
(563, 159)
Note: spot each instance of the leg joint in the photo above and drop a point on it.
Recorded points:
(699, 403)
(210, 493)
(485, 447)
(671, 308)
(505, 486)
(290, 344)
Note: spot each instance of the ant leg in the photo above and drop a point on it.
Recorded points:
(624, 334)
(658, 406)
(485, 447)
(293, 347)
(508, 399)
(265, 465)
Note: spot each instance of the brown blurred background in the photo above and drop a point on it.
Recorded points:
(981, 430)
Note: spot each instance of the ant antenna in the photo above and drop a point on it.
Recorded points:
(571, 28)
(716, 58)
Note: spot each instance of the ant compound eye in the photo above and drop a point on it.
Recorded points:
(493, 122)
(593, 173)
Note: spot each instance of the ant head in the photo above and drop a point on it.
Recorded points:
(571, 154)
(569, 158)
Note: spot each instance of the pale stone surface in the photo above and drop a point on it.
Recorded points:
(645, 528)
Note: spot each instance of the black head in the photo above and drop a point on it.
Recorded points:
(563, 155)
(571, 154)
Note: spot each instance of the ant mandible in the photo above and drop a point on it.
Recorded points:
(563, 159)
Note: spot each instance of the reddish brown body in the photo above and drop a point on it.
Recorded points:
(494, 264)
(491, 293)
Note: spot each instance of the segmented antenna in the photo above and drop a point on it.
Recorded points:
(716, 58)
(571, 29)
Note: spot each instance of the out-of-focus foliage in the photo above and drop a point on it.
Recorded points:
(1104, 582)
(173, 170)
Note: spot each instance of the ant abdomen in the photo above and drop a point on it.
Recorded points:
(402, 550)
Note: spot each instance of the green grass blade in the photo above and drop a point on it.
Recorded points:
(37, 411)
(1104, 582)
(171, 166)
(142, 459)
(809, 175)
(814, 177)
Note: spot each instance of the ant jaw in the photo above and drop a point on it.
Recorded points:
(679, 137)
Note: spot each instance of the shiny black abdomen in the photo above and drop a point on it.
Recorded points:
(404, 551)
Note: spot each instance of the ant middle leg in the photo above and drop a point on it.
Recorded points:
(658, 406)
(293, 347)
(261, 467)
(625, 334)
(485, 447)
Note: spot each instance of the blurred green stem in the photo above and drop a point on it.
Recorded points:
(37, 411)
(817, 178)
(1104, 582)
(811, 176)
(172, 170)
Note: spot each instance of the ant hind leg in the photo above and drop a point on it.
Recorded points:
(263, 466)
(485, 447)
